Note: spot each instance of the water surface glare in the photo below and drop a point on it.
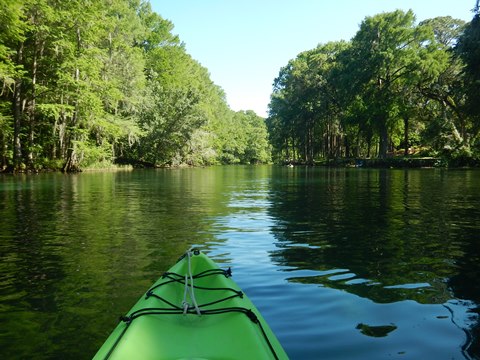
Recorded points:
(342, 263)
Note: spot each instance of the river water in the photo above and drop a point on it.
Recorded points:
(342, 263)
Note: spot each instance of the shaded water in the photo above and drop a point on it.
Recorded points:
(343, 263)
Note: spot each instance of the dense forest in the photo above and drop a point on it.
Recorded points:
(397, 88)
(92, 83)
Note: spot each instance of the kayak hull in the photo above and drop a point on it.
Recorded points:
(213, 319)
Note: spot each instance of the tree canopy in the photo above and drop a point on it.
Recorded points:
(397, 86)
(86, 83)
(92, 83)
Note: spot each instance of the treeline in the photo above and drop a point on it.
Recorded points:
(88, 83)
(396, 88)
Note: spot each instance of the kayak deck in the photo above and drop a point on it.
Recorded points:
(194, 311)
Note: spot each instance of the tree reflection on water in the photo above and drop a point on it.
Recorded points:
(385, 235)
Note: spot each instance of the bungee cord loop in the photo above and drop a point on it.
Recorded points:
(171, 278)
(189, 286)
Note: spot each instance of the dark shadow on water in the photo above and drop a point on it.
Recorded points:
(376, 331)
(77, 251)
(385, 235)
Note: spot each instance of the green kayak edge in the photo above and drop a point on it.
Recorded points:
(194, 311)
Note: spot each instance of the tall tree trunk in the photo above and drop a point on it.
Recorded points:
(332, 145)
(406, 135)
(71, 161)
(37, 52)
(17, 115)
(347, 146)
(294, 149)
(310, 145)
(287, 150)
(4, 149)
(369, 145)
(383, 145)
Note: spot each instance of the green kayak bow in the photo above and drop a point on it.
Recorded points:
(194, 311)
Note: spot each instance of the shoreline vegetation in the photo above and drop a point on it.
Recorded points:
(91, 84)
(398, 162)
(392, 163)
(399, 93)
(108, 84)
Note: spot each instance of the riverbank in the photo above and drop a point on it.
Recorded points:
(396, 162)
(388, 163)
(104, 166)
(392, 162)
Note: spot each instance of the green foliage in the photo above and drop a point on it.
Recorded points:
(246, 140)
(389, 55)
(167, 123)
(469, 51)
(91, 82)
(200, 150)
(304, 109)
(395, 85)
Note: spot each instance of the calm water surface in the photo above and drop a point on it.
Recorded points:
(343, 263)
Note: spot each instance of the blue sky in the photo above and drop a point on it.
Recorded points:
(244, 43)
